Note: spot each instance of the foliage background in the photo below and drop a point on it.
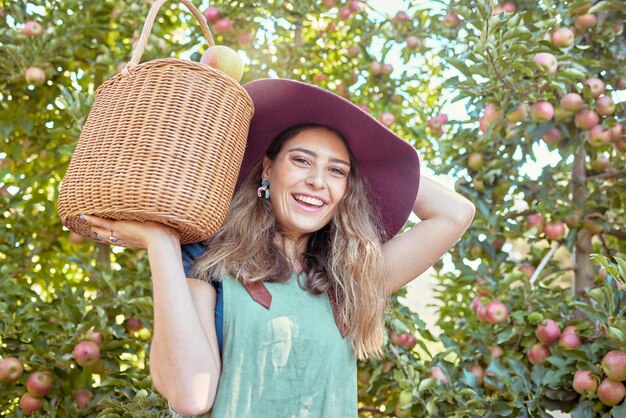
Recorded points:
(55, 287)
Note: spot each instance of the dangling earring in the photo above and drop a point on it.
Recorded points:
(264, 190)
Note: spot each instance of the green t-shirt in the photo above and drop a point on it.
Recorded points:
(289, 361)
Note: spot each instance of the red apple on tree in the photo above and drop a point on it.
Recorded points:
(547, 61)
(572, 102)
(586, 119)
(537, 354)
(29, 403)
(569, 340)
(224, 59)
(413, 42)
(387, 119)
(614, 365)
(450, 20)
(86, 353)
(519, 114)
(548, 332)
(32, 28)
(477, 371)
(509, 7)
(401, 17)
(584, 22)
(95, 336)
(599, 136)
(344, 13)
(495, 351)
(541, 112)
(133, 324)
(552, 137)
(611, 392)
(554, 230)
(584, 382)
(212, 14)
(596, 85)
(11, 369)
(223, 26)
(536, 221)
(528, 269)
(35, 75)
(437, 374)
(617, 132)
(39, 384)
(563, 37)
(497, 312)
(82, 398)
(605, 106)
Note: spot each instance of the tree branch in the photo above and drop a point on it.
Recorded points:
(617, 233)
(607, 174)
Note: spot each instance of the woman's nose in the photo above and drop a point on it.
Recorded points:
(316, 178)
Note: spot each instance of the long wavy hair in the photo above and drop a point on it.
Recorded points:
(344, 257)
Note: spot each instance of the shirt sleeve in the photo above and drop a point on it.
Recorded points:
(190, 252)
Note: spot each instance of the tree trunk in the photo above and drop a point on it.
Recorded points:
(583, 279)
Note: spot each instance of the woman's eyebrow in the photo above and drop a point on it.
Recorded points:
(314, 154)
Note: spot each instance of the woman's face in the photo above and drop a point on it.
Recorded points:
(308, 178)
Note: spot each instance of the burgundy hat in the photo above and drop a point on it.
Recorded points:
(389, 164)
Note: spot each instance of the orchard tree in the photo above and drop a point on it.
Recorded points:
(76, 317)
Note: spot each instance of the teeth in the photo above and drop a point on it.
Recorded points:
(309, 200)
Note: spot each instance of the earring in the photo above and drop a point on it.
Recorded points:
(264, 190)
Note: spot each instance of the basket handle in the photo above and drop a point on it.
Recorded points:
(147, 28)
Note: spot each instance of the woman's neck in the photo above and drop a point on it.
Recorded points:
(293, 249)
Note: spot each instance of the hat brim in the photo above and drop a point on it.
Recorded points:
(388, 163)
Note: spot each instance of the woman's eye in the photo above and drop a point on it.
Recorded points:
(300, 160)
(338, 171)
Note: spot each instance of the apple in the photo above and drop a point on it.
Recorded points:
(95, 336)
(498, 243)
(481, 313)
(547, 61)
(509, 7)
(35, 75)
(605, 106)
(596, 85)
(477, 371)
(548, 332)
(11, 369)
(541, 112)
(376, 68)
(554, 230)
(32, 28)
(586, 119)
(584, 22)
(86, 353)
(407, 340)
(527, 269)
(592, 226)
(353, 51)
(599, 136)
(329, 3)
(495, 351)
(387, 119)
(244, 38)
(569, 340)
(450, 20)
(212, 14)
(224, 59)
(318, 78)
(395, 338)
(600, 164)
(437, 374)
(30, 404)
(344, 13)
(331, 27)
(387, 68)
(519, 114)
(39, 384)
(552, 137)
(437, 122)
(620, 145)
(354, 5)
(401, 17)
(475, 161)
(413, 42)
(82, 398)
(611, 392)
(584, 382)
(537, 354)
(563, 37)
(617, 132)
(133, 324)
(572, 102)
(497, 312)
(536, 221)
(223, 26)
(478, 302)
(614, 365)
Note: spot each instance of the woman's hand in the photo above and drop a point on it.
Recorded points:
(129, 234)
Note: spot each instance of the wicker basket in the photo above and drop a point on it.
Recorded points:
(163, 142)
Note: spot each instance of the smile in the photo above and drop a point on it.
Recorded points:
(310, 201)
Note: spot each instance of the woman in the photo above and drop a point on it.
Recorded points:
(292, 288)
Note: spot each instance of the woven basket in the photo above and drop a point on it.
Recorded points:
(163, 142)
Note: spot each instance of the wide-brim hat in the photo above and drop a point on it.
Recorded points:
(388, 163)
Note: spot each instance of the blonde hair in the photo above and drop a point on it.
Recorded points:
(344, 257)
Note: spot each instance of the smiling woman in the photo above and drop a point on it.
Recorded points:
(291, 290)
